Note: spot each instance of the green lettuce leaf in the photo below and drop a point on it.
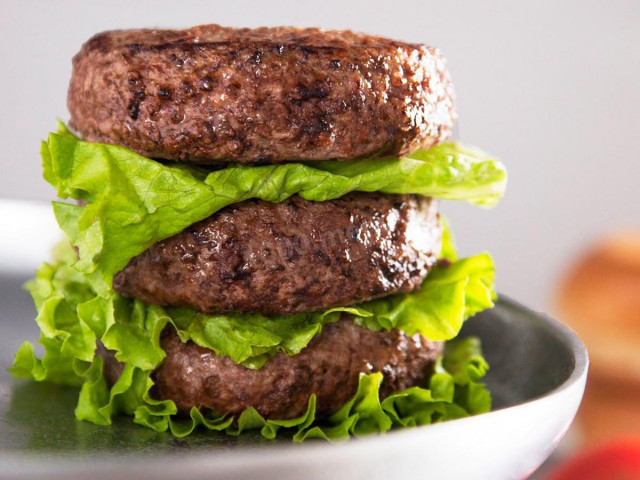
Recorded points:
(449, 394)
(72, 317)
(449, 295)
(134, 202)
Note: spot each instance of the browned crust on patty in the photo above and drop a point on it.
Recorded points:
(329, 367)
(295, 256)
(211, 94)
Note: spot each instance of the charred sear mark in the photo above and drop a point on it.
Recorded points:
(134, 105)
(173, 58)
(256, 58)
(317, 125)
(305, 92)
(164, 93)
(206, 84)
(323, 257)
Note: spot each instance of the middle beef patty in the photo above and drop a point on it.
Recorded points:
(295, 256)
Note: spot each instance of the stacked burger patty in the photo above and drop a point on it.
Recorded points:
(246, 240)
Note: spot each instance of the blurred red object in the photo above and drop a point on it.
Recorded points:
(616, 460)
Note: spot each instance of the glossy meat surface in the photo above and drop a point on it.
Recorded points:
(211, 94)
(296, 256)
(329, 368)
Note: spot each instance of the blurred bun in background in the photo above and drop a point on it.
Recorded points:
(600, 299)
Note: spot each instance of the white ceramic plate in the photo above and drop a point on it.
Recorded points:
(537, 377)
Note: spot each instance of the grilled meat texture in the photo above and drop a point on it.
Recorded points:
(193, 376)
(295, 256)
(211, 94)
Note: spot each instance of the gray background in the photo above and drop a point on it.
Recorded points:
(550, 87)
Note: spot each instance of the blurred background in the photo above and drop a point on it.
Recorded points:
(550, 87)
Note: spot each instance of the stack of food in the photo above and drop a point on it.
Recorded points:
(256, 240)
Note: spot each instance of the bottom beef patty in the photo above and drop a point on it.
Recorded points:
(329, 368)
(295, 256)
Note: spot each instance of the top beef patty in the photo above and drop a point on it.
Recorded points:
(211, 94)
